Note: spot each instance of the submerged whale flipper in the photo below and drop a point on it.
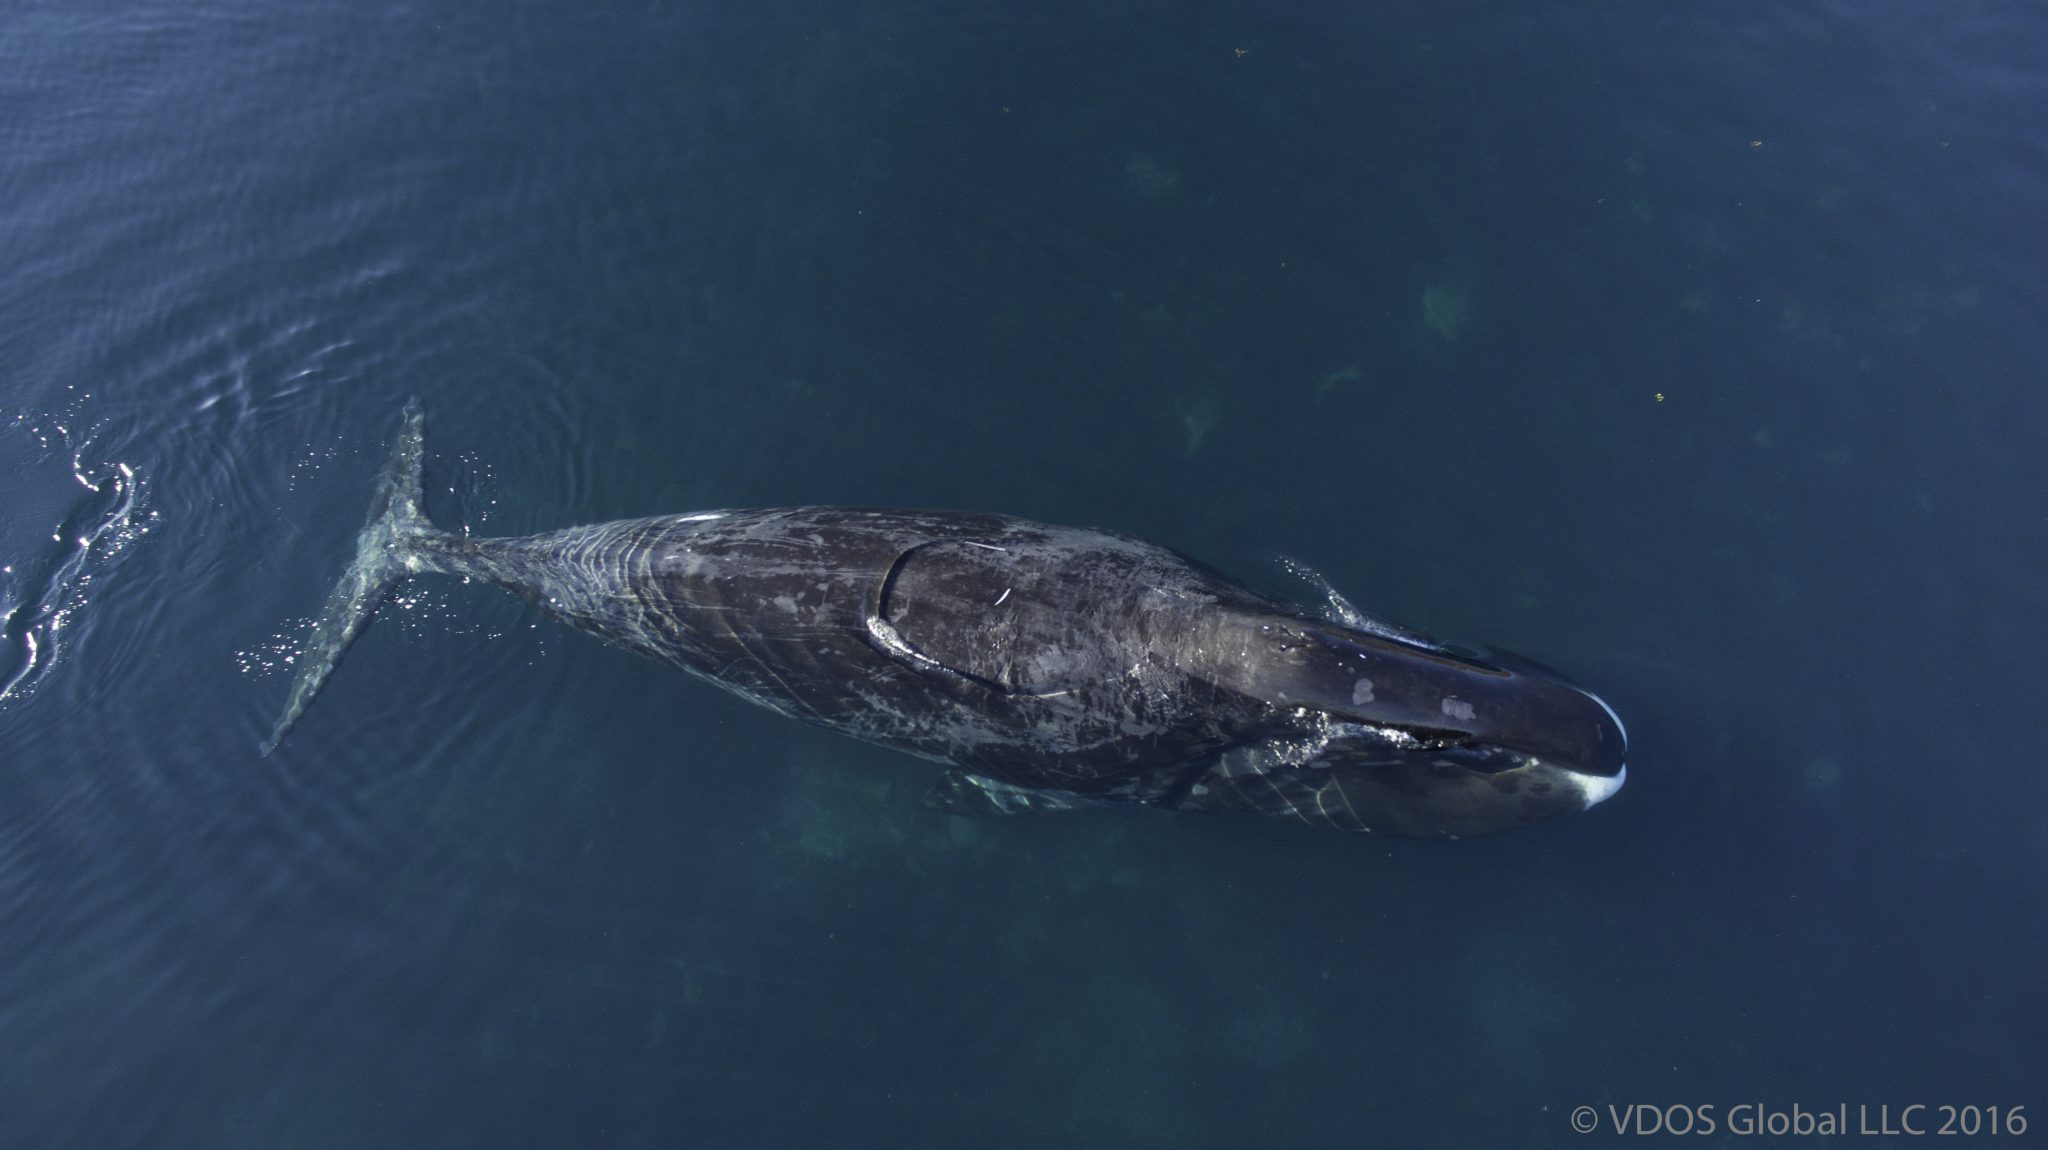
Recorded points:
(959, 793)
(385, 553)
(1331, 604)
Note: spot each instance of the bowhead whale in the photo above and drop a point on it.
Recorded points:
(1052, 668)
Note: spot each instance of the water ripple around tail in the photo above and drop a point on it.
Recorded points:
(73, 516)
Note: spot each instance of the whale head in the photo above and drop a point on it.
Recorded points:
(1393, 734)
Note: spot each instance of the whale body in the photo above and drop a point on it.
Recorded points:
(1052, 668)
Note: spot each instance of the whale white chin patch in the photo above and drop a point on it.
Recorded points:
(1597, 788)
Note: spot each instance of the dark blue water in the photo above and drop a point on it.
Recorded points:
(1696, 350)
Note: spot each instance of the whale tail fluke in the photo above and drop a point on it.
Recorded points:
(387, 550)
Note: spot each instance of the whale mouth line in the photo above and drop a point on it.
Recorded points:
(1618, 724)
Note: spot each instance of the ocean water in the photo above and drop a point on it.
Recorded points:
(1697, 350)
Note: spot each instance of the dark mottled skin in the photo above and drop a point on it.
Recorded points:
(1049, 662)
(1053, 665)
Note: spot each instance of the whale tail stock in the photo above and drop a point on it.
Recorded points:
(388, 548)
